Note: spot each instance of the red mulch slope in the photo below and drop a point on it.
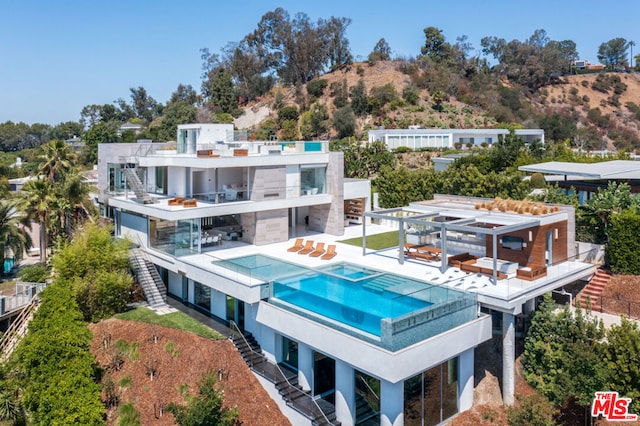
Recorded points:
(180, 358)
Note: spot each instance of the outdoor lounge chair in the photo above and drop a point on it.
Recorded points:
(318, 251)
(297, 245)
(308, 247)
(331, 252)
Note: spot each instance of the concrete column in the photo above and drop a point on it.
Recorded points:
(391, 403)
(345, 394)
(465, 379)
(529, 306)
(305, 366)
(508, 358)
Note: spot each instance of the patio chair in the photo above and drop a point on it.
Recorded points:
(308, 247)
(318, 251)
(331, 252)
(297, 245)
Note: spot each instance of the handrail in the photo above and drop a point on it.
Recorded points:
(368, 387)
(13, 331)
(279, 370)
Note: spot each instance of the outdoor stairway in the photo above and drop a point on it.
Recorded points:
(149, 279)
(136, 185)
(17, 330)
(594, 289)
(320, 412)
(365, 415)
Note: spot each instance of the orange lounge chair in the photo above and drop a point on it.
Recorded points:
(331, 252)
(297, 245)
(308, 247)
(318, 251)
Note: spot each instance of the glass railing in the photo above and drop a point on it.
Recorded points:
(242, 148)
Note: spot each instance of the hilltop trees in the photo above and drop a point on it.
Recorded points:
(613, 53)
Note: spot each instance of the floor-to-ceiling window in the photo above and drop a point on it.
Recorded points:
(313, 180)
(431, 396)
(290, 352)
(367, 391)
(202, 296)
(177, 238)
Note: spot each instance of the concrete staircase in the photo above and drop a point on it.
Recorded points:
(320, 412)
(149, 279)
(135, 184)
(17, 330)
(594, 289)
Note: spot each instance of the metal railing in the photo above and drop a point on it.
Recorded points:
(21, 297)
(613, 305)
(15, 332)
(281, 377)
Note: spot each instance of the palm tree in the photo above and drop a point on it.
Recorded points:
(13, 237)
(37, 200)
(10, 409)
(58, 160)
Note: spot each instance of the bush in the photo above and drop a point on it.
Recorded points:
(537, 181)
(534, 410)
(287, 113)
(316, 87)
(403, 149)
(34, 273)
(624, 243)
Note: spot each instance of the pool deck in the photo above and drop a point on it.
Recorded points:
(506, 294)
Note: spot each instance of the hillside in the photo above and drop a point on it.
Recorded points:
(597, 102)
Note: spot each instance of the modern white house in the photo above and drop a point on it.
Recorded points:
(417, 138)
(359, 339)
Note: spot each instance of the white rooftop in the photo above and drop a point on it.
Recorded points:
(616, 169)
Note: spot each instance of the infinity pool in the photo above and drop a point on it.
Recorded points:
(360, 304)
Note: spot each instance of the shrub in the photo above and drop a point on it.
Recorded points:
(316, 87)
(34, 273)
(287, 113)
(411, 95)
(624, 243)
(534, 410)
(402, 149)
(537, 181)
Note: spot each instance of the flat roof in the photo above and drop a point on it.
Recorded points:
(616, 169)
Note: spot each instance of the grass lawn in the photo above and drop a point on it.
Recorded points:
(376, 241)
(176, 320)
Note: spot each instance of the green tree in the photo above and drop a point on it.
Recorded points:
(95, 266)
(344, 122)
(64, 389)
(316, 88)
(359, 98)
(613, 53)
(287, 113)
(624, 242)
(220, 93)
(175, 113)
(562, 354)
(103, 132)
(381, 52)
(37, 200)
(206, 407)
(290, 131)
(13, 236)
(621, 354)
(314, 122)
(435, 45)
(558, 128)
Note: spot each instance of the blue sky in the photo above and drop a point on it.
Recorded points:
(56, 56)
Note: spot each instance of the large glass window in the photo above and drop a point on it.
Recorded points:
(367, 398)
(290, 352)
(161, 180)
(202, 296)
(115, 178)
(177, 238)
(313, 180)
(432, 396)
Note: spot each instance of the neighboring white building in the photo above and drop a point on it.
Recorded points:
(447, 138)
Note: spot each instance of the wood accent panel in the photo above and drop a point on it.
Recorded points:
(534, 252)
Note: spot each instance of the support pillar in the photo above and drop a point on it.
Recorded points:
(305, 366)
(529, 306)
(391, 403)
(465, 379)
(345, 394)
(508, 358)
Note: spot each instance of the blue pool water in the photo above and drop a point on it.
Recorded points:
(349, 271)
(351, 303)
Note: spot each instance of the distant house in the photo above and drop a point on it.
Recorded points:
(416, 138)
(583, 64)
(130, 127)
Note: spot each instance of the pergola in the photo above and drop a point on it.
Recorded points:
(435, 218)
